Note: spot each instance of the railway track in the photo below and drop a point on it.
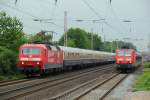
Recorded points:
(15, 81)
(83, 91)
(113, 87)
(11, 82)
(104, 88)
(21, 92)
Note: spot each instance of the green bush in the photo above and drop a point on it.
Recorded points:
(147, 64)
(7, 61)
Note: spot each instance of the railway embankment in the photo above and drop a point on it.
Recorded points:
(135, 87)
(8, 77)
(143, 80)
(141, 87)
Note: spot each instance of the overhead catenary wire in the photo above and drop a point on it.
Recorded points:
(19, 10)
(31, 15)
(98, 15)
(91, 8)
(30, 27)
(28, 14)
(113, 28)
(53, 4)
(116, 16)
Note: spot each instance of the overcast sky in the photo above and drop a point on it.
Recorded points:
(114, 26)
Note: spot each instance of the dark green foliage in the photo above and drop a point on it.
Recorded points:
(11, 34)
(11, 37)
(41, 37)
(11, 77)
(120, 44)
(130, 45)
(147, 65)
(81, 39)
(7, 61)
(107, 46)
(76, 38)
(111, 46)
(97, 42)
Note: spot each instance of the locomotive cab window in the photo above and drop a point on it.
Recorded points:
(31, 51)
(124, 53)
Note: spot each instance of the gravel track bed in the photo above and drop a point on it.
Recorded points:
(30, 89)
(40, 80)
(99, 92)
(84, 87)
(57, 89)
(11, 82)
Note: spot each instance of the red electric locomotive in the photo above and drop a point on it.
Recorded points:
(127, 60)
(35, 58)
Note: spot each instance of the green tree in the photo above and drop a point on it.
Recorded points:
(81, 39)
(107, 46)
(76, 38)
(97, 42)
(11, 32)
(71, 43)
(120, 44)
(11, 37)
(7, 61)
(41, 37)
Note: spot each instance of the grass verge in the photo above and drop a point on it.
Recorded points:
(11, 77)
(147, 65)
(143, 81)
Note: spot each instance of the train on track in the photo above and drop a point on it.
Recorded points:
(42, 58)
(127, 60)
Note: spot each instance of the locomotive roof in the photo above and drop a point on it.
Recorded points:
(33, 45)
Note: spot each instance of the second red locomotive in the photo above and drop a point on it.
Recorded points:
(127, 60)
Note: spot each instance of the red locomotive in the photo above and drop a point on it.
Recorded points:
(127, 60)
(45, 58)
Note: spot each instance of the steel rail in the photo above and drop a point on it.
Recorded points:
(78, 87)
(113, 87)
(11, 82)
(55, 82)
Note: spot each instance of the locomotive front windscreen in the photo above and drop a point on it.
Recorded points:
(124, 53)
(31, 51)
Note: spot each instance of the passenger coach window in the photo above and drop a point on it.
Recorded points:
(30, 51)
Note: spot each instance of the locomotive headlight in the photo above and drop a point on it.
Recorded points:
(38, 63)
(22, 62)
